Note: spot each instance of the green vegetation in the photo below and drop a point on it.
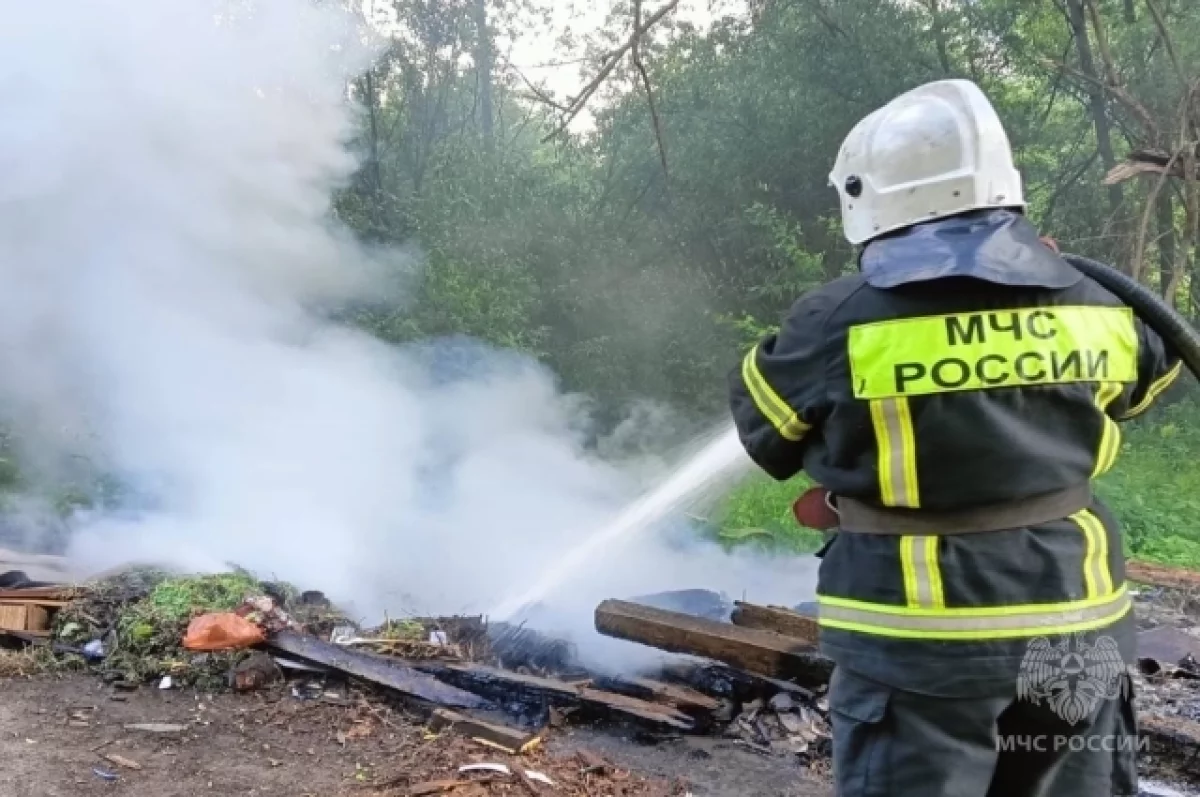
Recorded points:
(142, 615)
(1154, 490)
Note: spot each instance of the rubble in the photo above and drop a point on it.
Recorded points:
(757, 679)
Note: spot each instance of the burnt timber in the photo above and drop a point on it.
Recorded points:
(379, 670)
(772, 618)
(473, 686)
(754, 650)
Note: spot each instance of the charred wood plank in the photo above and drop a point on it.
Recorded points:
(762, 652)
(772, 618)
(504, 686)
(682, 697)
(379, 670)
(1162, 575)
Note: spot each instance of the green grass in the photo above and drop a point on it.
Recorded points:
(149, 631)
(1154, 489)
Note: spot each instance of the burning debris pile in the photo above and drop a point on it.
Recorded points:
(750, 675)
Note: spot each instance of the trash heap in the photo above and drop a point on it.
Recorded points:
(751, 674)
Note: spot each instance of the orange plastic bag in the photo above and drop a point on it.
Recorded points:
(226, 631)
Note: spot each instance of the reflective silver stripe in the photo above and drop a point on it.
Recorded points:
(1026, 621)
(926, 587)
(897, 452)
(918, 562)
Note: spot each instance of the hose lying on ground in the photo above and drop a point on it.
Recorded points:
(1170, 325)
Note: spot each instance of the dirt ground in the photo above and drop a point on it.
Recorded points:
(54, 734)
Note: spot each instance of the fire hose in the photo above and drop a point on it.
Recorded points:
(1157, 314)
(814, 509)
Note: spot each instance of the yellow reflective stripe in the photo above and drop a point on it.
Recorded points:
(922, 574)
(908, 568)
(769, 403)
(992, 349)
(897, 445)
(1008, 622)
(1154, 391)
(936, 592)
(1110, 435)
(1097, 577)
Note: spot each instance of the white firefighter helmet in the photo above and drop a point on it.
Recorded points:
(936, 151)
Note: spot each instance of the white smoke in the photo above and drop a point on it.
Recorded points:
(166, 168)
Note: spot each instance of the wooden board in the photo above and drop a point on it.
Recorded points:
(772, 618)
(52, 604)
(13, 617)
(380, 670)
(511, 739)
(505, 686)
(36, 593)
(682, 697)
(763, 652)
(1162, 575)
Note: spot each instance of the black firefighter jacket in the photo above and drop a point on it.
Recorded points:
(946, 393)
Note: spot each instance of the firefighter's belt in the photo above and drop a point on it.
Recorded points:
(857, 517)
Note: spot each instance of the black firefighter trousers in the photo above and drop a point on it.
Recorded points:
(892, 743)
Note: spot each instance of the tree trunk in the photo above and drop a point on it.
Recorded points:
(371, 98)
(1097, 104)
(1166, 240)
(483, 72)
(939, 36)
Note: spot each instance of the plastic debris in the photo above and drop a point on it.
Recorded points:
(105, 774)
(343, 635)
(94, 650)
(539, 777)
(156, 727)
(299, 666)
(222, 631)
(166, 682)
(501, 768)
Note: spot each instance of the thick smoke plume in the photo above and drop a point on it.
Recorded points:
(166, 168)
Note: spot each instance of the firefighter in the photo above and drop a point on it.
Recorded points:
(957, 397)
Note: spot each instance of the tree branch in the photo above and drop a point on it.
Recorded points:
(607, 66)
(636, 54)
(1118, 93)
(1160, 22)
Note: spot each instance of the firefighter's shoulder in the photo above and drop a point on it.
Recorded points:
(813, 308)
